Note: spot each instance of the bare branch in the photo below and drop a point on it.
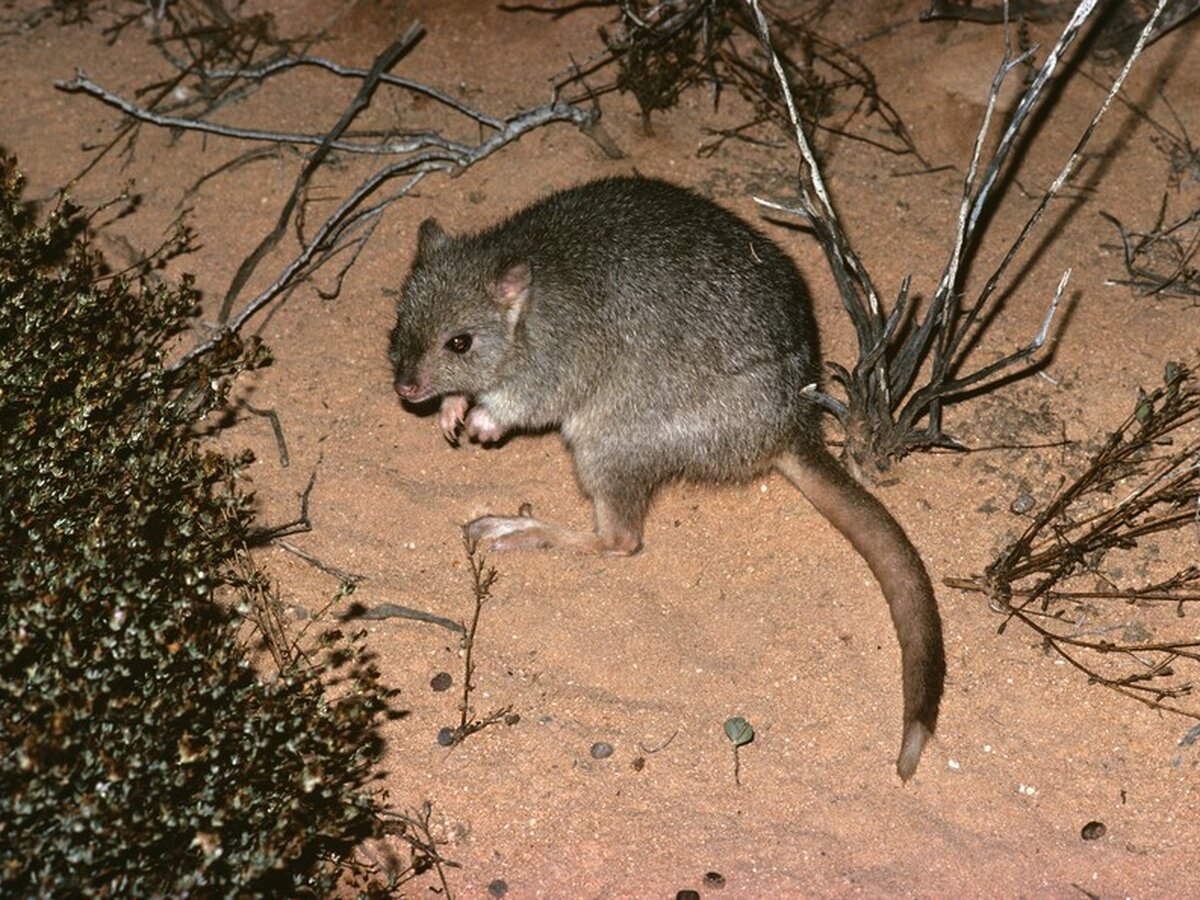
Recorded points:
(1145, 480)
(883, 407)
(420, 153)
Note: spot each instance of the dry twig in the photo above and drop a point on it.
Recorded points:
(483, 577)
(415, 154)
(1162, 262)
(659, 50)
(1144, 481)
(383, 876)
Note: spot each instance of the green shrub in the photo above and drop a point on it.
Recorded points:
(140, 752)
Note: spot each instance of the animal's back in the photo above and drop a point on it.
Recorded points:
(695, 329)
(665, 258)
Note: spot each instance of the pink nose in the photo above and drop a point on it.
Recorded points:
(406, 389)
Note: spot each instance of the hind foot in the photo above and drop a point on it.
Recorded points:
(525, 532)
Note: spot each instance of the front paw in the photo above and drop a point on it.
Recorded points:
(451, 415)
(481, 426)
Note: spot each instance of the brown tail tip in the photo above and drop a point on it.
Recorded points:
(915, 736)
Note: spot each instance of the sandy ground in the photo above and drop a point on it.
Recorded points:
(744, 601)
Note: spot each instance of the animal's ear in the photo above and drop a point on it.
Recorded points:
(512, 290)
(430, 237)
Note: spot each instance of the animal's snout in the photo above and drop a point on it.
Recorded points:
(406, 390)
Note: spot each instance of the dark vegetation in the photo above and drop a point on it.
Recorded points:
(143, 752)
(658, 51)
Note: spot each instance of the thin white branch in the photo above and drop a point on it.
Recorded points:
(810, 159)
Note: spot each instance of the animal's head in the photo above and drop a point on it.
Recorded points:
(456, 319)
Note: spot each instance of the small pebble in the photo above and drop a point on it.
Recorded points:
(512, 719)
(445, 736)
(441, 681)
(714, 880)
(601, 750)
(1093, 831)
(498, 888)
(1191, 737)
(1022, 503)
(687, 895)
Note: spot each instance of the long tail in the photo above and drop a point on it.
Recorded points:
(881, 541)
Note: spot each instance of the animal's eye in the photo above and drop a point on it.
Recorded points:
(460, 343)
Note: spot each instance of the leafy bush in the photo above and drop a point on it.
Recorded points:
(141, 752)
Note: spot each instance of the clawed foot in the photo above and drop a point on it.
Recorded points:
(520, 532)
(456, 416)
(525, 532)
(451, 415)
